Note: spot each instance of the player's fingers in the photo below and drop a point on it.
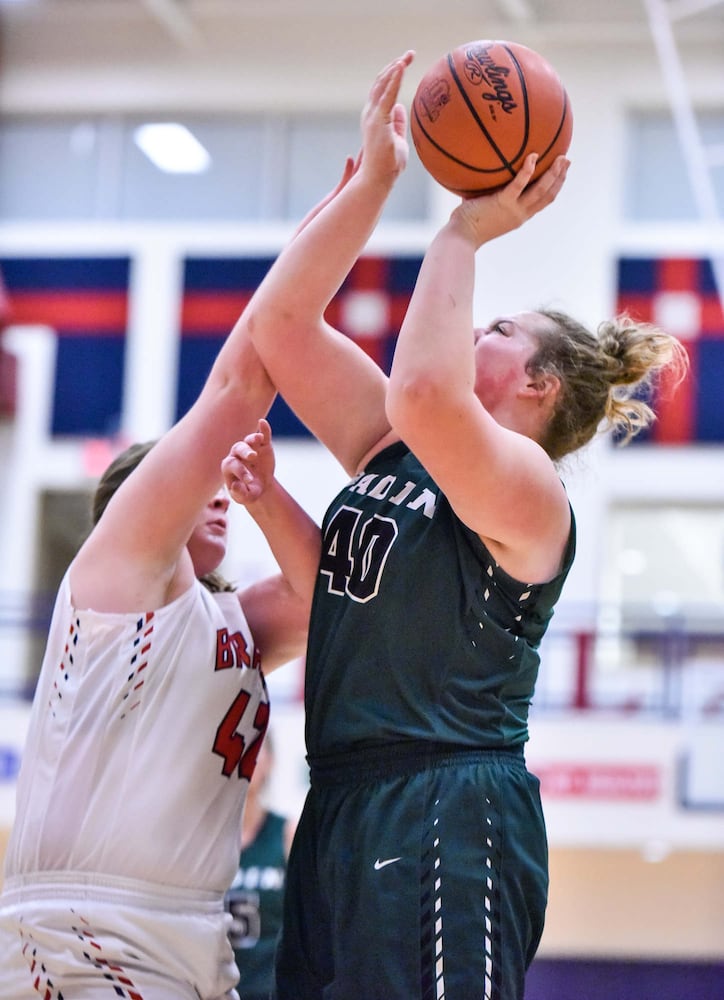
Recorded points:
(230, 473)
(517, 186)
(392, 82)
(379, 83)
(238, 491)
(243, 452)
(555, 174)
(399, 119)
(546, 188)
(397, 64)
(229, 462)
(265, 430)
(387, 83)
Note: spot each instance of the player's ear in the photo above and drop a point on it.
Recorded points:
(543, 385)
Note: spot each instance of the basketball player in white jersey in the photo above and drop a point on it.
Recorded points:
(149, 712)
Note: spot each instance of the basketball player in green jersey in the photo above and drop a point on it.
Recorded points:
(419, 866)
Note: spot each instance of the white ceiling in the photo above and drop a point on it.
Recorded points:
(184, 21)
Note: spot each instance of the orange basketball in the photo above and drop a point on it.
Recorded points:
(479, 111)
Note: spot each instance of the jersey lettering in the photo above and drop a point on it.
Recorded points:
(336, 561)
(378, 488)
(426, 501)
(354, 555)
(231, 650)
(231, 745)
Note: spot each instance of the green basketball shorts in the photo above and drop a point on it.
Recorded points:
(417, 871)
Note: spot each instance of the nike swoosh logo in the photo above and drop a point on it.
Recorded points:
(383, 864)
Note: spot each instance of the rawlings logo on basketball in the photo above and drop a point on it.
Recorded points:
(480, 67)
(434, 97)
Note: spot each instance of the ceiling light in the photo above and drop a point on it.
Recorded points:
(172, 148)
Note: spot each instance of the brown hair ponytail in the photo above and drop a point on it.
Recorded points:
(605, 378)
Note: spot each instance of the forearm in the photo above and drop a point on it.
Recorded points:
(292, 536)
(320, 372)
(294, 295)
(434, 350)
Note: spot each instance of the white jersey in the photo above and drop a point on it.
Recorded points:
(143, 733)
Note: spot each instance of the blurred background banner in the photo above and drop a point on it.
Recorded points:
(681, 295)
(369, 307)
(85, 300)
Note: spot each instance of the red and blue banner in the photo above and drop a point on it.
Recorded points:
(680, 295)
(85, 300)
(369, 308)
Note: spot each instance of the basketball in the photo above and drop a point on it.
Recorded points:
(481, 108)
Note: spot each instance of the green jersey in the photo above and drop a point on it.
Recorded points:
(416, 632)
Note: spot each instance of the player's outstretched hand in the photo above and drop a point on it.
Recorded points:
(384, 123)
(384, 134)
(491, 215)
(248, 469)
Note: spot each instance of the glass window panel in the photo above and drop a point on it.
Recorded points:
(317, 151)
(262, 168)
(48, 170)
(663, 560)
(660, 633)
(657, 180)
(232, 186)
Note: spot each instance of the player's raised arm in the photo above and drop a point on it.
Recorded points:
(329, 382)
(136, 555)
(277, 608)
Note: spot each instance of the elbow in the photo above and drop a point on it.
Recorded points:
(264, 325)
(410, 403)
(281, 334)
(246, 379)
(270, 313)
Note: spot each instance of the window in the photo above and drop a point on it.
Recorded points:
(657, 179)
(262, 168)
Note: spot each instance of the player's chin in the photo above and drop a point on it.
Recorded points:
(207, 552)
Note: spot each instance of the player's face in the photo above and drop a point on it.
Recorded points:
(207, 544)
(502, 351)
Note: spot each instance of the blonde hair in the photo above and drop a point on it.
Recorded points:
(605, 378)
(119, 469)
